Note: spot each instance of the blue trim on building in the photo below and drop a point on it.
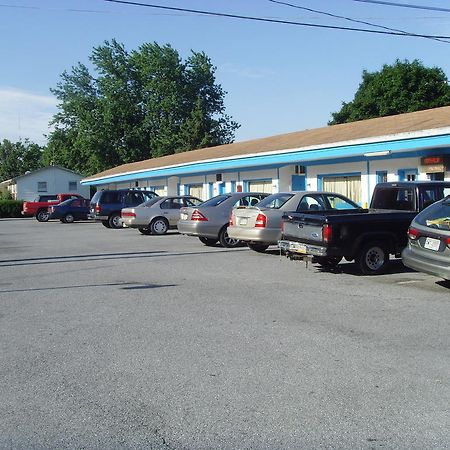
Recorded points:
(403, 147)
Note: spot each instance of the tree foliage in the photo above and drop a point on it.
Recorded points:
(140, 104)
(399, 88)
(18, 158)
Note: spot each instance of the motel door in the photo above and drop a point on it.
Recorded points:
(196, 190)
(349, 186)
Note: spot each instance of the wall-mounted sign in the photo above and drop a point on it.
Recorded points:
(432, 160)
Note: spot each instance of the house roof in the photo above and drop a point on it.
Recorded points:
(44, 168)
(429, 119)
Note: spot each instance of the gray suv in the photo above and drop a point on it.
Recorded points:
(107, 204)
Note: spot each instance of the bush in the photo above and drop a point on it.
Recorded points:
(10, 208)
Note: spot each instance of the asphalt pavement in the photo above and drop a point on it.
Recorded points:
(111, 339)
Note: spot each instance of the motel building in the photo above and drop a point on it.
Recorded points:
(348, 158)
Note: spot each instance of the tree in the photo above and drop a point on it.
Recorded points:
(140, 104)
(399, 88)
(18, 158)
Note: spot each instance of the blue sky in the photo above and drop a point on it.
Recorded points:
(279, 78)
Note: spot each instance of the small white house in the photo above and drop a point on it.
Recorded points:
(48, 180)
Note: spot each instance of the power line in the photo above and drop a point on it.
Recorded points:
(261, 19)
(349, 19)
(405, 5)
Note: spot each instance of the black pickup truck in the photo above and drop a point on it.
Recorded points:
(367, 236)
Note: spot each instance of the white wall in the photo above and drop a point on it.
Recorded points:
(57, 183)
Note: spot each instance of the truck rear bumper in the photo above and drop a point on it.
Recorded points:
(302, 249)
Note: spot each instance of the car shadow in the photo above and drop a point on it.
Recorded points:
(395, 266)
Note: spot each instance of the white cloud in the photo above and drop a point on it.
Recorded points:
(25, 115)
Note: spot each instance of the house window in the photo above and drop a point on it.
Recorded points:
(73, 185)
(42, 186)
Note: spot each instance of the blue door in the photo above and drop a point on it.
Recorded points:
(298, 183)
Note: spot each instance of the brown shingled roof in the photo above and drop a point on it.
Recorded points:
(382, 126)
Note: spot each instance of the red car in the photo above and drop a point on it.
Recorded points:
(39, 208)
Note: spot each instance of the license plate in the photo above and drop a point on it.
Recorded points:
(183, 216)
(432, 244)
(243, 221)
(299, 248)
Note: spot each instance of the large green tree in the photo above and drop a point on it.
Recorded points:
(399, 88)
(137, 105)
(16, 158)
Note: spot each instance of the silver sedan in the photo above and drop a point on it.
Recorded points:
(157, 215)
(209, 221)
(260, 226)
(428, 247)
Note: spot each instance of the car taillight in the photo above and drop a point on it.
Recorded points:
(261, 220)
(326, 233)
(413, 233)
(128, 214)
(231, 221)
(197, 215)
(447, 241)
(98, 209)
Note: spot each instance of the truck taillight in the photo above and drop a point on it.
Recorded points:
(198, 216)
(98, 209)
(413, 233)
(326, 232)
(261, 221)
(128, 214)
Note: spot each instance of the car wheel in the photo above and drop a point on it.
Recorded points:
(260, 248)
(68, 218)
(145, 231)
(114, 221)
(372, 258)
(159, 226)
(207, 241)
(105, 223)
(43, 215)
(327, 261)
(225, 240)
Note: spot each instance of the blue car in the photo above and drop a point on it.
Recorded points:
(70, 210)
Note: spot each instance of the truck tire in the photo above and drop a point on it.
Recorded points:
(159, 225)
(42, 215)
(226, 241)
(260, 248)
(207, 241)
(114, 221)
(373, 258)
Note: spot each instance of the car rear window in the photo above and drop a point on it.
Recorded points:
(275, 201)
(436, 216)
(215, 201)
(96, 197)
(151, 201)
(110, 197)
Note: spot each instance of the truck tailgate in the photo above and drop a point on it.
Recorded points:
(303, 227)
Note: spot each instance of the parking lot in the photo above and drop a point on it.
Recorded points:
(113, 339)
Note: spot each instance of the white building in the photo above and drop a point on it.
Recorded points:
(49, 180)
(348, 158)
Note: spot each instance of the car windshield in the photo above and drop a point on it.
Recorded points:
(151, 202)
(436, 216)
(275, 201)
(215, 201)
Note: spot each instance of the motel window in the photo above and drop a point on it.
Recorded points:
(260, 186)
(349, 186)
(73, 186)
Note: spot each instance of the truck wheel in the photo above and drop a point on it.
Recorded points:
(260, 248)
(327, 261)
(159, 225)
(372, 258)
(226, 241)
(114, 221)
(144, 230)
(105, 223)
(68, 218)
(42, 215)
(207, 241)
